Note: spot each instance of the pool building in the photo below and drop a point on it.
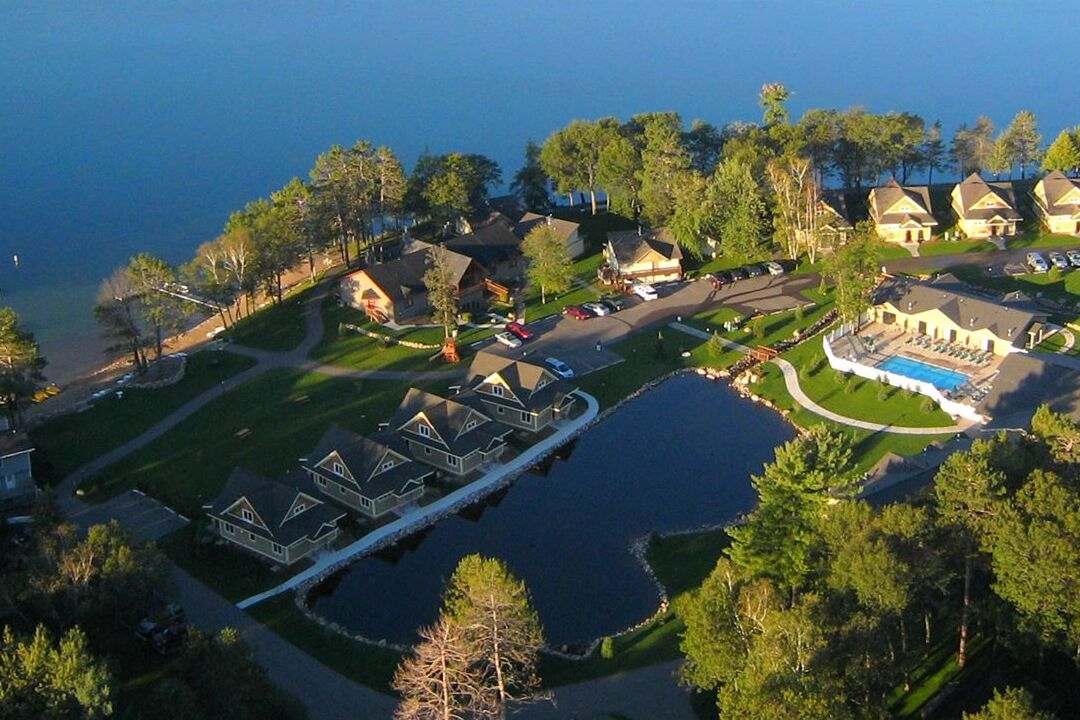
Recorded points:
(940, 338)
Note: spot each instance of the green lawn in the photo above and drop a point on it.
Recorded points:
(286, 413)
(1041, 239)
(366, 664)
(69, 441)
(890, 251)
(954, 247)
(277, 326)
(354, 350)
(585, 290)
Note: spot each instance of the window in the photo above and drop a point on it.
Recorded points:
(470, 425)
(423, 430)
(387, 465)
(321, 480)
(502, 410)
(278, 549)
(451, 461)
(339, 469)
(427, 451)
(497, 390)
(228, 528)
(251, 536)
(247, 515)
(526, 417)
(9, 482)
(300, 507)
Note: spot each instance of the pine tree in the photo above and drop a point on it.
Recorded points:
(1064, 153)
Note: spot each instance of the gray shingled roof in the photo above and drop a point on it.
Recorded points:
(881, 198)
(967, 310)
(489, 243)
(271, 501)
(14, 443)
(450, 420)
(1055, 185)
(534, 387)
(834, 204)
(633, 246)
(362, 457)
(530, 220)
(405, 275)
(974, 189)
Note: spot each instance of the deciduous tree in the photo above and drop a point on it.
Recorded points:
(1064, 153)
(442, 291)
(441, 679)
(1013, 704)
(550, 266)
(740, 210)
(40, 678)
(1023, 140)
(531, 183)
(853, 271)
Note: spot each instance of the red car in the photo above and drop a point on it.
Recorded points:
(518, 330)
(576, 312)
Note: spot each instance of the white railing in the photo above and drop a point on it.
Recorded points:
(852, 367)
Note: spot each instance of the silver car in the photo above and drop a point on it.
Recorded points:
(1059, 261)
(1036, 263)
(1074, 257)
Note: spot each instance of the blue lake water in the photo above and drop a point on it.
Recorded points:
(677, 457)
(138, 126)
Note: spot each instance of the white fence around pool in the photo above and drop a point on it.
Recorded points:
(954, 408)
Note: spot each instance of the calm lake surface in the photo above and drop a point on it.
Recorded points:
(138, 126)
(679, 456)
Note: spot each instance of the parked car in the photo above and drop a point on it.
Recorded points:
(738, 274)
(1074, 257)
(644, 291)
(1059, 261)
(597, 309)
(614, 303)
(150, 627)
(171, 638)
(715, 280)
(559, 368)
(754, 271)
(576, 312)
(774, 268)
(1036, 263)
(519, 331)
(508, 339)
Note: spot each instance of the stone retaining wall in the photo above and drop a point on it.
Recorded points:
(389, 339)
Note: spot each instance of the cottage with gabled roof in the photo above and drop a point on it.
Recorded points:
(642, 255)
(902, 214)
(395, 290)
(447, 434)
(516, 392)
(567, 230)
(17, 486)
(1057, 202)
(280, 520)
(366, 474)
(983, 209)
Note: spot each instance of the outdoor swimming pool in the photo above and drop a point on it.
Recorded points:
(680, 456)
(939, 377)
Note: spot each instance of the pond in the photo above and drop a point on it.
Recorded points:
(678, 456)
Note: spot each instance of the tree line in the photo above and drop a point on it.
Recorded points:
(825, 606)
(67, 649)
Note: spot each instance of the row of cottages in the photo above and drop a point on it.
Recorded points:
(944, 309)
(490, 249)
(289, 519)
(1057, 201)
(642, 255)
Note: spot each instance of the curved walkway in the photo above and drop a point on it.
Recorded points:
(791, 380)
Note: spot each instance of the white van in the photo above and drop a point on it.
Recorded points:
(644, 291)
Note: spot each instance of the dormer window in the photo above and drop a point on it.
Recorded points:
(497, 390)
(423, 430)
(247, 515)
(470, 425)
(386, 465)
(339, 469)
(300, 507)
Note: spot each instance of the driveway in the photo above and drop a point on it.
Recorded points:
(142, 516)
(575, 341)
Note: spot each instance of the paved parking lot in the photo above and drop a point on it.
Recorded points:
(142, 516)
(575, 341)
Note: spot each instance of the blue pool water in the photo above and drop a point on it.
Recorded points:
(939, 377)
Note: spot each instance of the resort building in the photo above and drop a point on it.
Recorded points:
(494, 246)
(366, 475)
(1057, 202)
(17, 486)
(938, 338)
(902, 214)
(517, 393)
(566, 230)
(983, 209)
(395, 291)
(641, 255)
(447, 434)
(282, 521)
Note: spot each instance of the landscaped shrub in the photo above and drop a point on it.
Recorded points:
(850, 384)
(465, 318)
(716, 345)
(607, 647)
(883, 392)
(838, 377)
(927, 404)
(799, 313)
(805, 371)
(759, 327)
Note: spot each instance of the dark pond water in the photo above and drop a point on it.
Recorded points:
(679, 456)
